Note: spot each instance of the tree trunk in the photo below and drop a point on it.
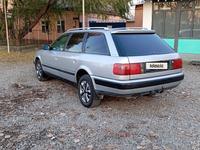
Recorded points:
(41, 13)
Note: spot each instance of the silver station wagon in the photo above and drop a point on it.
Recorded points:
(116, 62)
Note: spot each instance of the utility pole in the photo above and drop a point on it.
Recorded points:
(6, 23)
(83, 9)
(177, 27)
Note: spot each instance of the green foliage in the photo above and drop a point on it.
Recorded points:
(27, 13)
(116, 7)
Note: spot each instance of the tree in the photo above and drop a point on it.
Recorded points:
(27, 13)
(2, 33)
(2, 21)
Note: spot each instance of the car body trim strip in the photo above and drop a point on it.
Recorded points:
(70, 73)
(139, 84)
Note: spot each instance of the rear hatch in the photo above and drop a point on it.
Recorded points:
(153, 55)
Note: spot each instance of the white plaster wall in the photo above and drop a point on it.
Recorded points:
(147, 15)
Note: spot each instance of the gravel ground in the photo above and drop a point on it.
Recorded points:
(48, 115)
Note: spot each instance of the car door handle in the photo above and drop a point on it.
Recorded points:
(74, 61)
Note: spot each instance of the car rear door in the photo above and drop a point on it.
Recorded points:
(96, 55)
(68, 59)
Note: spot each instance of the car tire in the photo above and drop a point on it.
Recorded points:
(86, 92)
(41, 76)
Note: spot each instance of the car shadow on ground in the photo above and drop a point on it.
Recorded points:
(138, 102)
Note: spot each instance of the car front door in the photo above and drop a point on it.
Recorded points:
(51, 59)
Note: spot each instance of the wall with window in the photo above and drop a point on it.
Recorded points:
(178, 20)
(60, 26)
(49, 30)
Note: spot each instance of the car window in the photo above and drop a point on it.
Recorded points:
(60, 43)
(140, 44)
(96, 44)
(75, 43)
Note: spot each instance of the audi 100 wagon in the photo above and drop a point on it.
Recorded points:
(117, 62)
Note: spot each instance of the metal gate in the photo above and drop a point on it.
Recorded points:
(177, 20)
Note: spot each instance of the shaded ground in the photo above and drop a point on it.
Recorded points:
(48, 115)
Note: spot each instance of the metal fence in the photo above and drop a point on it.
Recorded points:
(35, 38)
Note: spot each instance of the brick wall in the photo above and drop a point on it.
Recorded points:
(138, 18)
(37, 33)
(71, 21)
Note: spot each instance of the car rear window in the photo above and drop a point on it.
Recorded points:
(131, 44)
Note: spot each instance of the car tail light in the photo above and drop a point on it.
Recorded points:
(177, 64)
(135, 69)
(121, 69)
(127, 69)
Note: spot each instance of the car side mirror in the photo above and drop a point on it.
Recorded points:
(46, 47)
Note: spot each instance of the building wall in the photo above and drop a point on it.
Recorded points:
(69, 17)
(72, 21)
(138, 22)
(37, 33)
(147, 15)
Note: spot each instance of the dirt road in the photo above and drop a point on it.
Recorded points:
(48, 115)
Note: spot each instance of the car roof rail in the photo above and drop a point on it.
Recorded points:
(74, 29)
(130, 28)
(137, 28)
(96, 28)
(107, 28)
(89, 28)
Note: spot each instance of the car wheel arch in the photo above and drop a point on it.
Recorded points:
(37, 58)
(82, 71)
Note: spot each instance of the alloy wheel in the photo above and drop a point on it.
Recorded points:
(85, 91)
(39, 70)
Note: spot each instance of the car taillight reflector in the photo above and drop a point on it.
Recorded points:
(177, 64)
(127, 69)
(135, 69)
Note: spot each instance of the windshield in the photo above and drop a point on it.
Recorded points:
(131, 44)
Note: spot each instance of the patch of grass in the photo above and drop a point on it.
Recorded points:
(16, 56)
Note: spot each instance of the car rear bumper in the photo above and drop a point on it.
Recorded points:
(131, 87)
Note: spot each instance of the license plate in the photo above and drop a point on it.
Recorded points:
(156, 66)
